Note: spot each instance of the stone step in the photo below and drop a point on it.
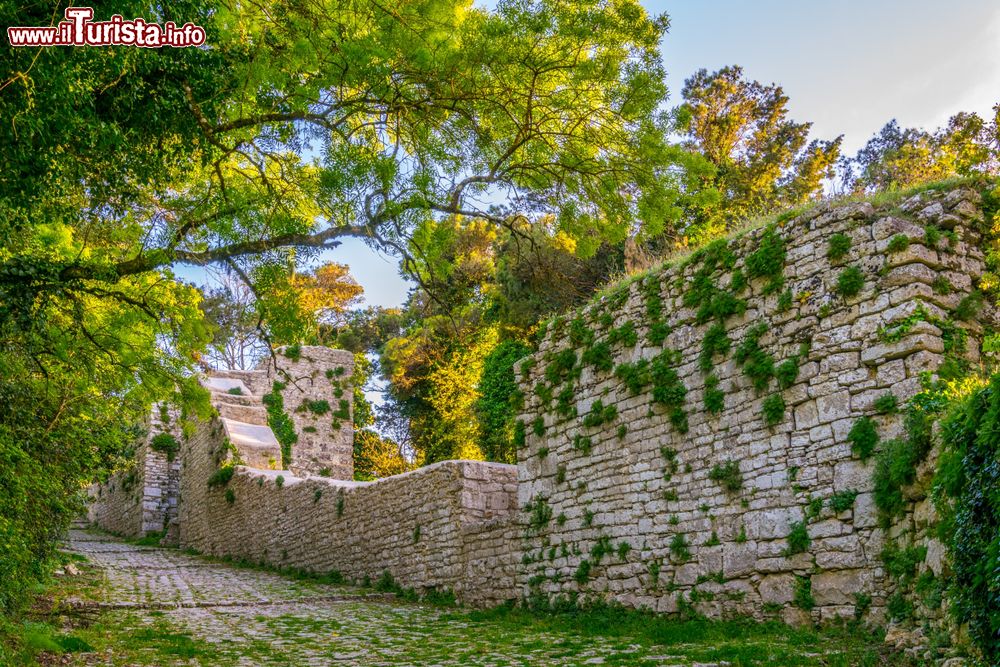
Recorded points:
(218, 397)
(256, 443)
(249, 414)
(241, 375)
(256, 380)
(223, 385)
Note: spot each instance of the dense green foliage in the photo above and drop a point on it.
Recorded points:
(496, 406)
(281, 424)
(762, 160)
(967, 480)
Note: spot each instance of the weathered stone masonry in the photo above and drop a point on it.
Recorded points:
(142, 498)
(684, 438)
(662, 502)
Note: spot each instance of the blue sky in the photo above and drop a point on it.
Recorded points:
(848, 66)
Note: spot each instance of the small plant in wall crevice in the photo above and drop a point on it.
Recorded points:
(727, 475)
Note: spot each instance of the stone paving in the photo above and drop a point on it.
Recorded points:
(248, 617)
(137, 605)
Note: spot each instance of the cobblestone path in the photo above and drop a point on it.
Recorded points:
(164, 607)
(134, 605)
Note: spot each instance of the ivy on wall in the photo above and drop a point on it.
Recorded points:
(279, 421)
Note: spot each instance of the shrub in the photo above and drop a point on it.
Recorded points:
(898, 243)
(786, 372)
(898, 607)
(279, 481)
(538, 426)
(679, 548)
(757, 364)
(768, 260)
(165, 443)
(668, 389)
(318, 407)
(968, 476)
(850, 281)
(942, 285)
(773, 408)
(727, 475)
(343, 409)
(582, 443)
(802, 597)
(715, 341)
(235, 391)
(634, 376)
(798, 538)
(293, 352)
(843, 500)
(714, 397)
(281, 424)
(968, 308)
(886, 404)
(540, 513)
(863, 437)
(579, 334)
(599, 356)
(560, 474)
(624, 334)
(495, 409)
(566, 403)
(221, 476)
(230, 496)
(561, 367)
(785, 301)
(600, 414)
(837, 246)
(582, 574)
(518, 437)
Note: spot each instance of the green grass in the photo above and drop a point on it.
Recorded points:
(739, 642)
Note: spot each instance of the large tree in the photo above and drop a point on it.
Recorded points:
(418, 109)
(898, 157)
(762, 159)
(297, 124)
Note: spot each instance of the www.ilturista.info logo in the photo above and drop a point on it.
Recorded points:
(79, 30)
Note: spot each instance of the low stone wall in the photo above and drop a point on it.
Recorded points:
(429, 528)
(117, 505)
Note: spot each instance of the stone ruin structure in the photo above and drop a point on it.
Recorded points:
(685, 440)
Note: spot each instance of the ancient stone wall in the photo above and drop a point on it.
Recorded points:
(315, 387)
(704, 436)
(686, 436)
(413, 526)
(142, 498)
